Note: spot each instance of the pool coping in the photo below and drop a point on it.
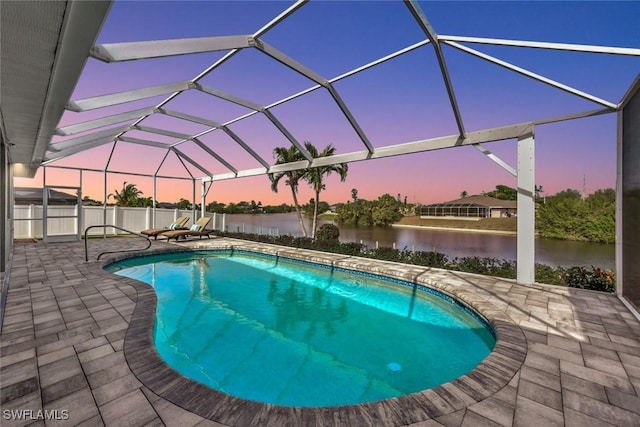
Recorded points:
(490, 376)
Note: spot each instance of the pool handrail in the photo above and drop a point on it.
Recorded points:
(86, 248)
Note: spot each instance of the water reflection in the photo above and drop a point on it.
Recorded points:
(453, 243)
(296, 305)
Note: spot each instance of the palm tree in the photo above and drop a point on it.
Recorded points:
(293, 178)
(315, 176)
(127, 196)
(145, 202)
(463, 194)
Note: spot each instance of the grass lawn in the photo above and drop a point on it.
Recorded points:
(497, 224)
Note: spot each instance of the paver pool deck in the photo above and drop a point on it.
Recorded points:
(78, 340)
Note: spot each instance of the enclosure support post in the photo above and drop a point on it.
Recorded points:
(193, 198)
(80, 211)
(203, 199)
(619, 211)
(45, 203)
(104, 206)
(526, 210)
(153, 205)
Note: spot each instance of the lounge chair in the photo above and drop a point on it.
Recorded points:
(197, 229)
(179, 224)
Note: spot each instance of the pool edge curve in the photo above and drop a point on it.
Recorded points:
(487, 378)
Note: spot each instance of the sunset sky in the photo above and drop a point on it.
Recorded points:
(400, 101)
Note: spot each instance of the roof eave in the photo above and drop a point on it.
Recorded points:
(82, 23)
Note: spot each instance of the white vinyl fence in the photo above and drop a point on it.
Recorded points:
(252, 229)
(28, 219)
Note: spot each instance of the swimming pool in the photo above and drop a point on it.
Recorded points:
(278, 331)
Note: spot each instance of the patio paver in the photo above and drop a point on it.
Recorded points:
(76, 338)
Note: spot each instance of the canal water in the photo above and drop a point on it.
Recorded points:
(453, 243)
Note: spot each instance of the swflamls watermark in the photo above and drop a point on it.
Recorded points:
(33, 415)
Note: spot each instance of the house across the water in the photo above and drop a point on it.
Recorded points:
(471, 207)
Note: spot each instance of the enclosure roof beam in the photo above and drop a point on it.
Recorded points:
(244, 145)
(79, 140)
(380, 61)
(126, 96)
(232, 135)
(228, 97)
(281, 17)
(184, 165)
(495, 134)
(350, 73)
(215, 155)
(573, 116)
(294, 96)
(57, 155)
(476, 137)
(164, 132)
(291, 9)
(504, 165)
(113, 150)
(312, 75)
(118, 52)
(487, 135)
(545, 45)
(289, 62)
(426, 27)
(102, 122)
(144, 142)
(252, 172)
(286, 167)
(190, 160)
(115, 172)
(164, 158)
(272, 118)
(189, 117)
(244, 103)
(633, 89)
(532, 75)
(352, 120)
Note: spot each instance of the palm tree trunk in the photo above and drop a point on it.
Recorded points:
(315, 216)
(299, 212)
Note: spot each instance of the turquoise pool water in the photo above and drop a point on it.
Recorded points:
(290, 333)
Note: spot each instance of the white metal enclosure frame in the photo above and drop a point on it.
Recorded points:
(93, 134)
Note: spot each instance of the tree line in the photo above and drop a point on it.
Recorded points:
(383, 211)
(567, 215)
(570, 215)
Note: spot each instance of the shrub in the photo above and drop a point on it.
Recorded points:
(577, 277)
(550, 275)
(351, 248)
(328, 232)
(596, 279)
(385, 253)
(429, 259)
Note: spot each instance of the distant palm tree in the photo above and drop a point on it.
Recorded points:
(315, 176)
(127, 196)
(293, 178)
(354, 195)
(464, 194)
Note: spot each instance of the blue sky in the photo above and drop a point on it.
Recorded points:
(400, 101)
